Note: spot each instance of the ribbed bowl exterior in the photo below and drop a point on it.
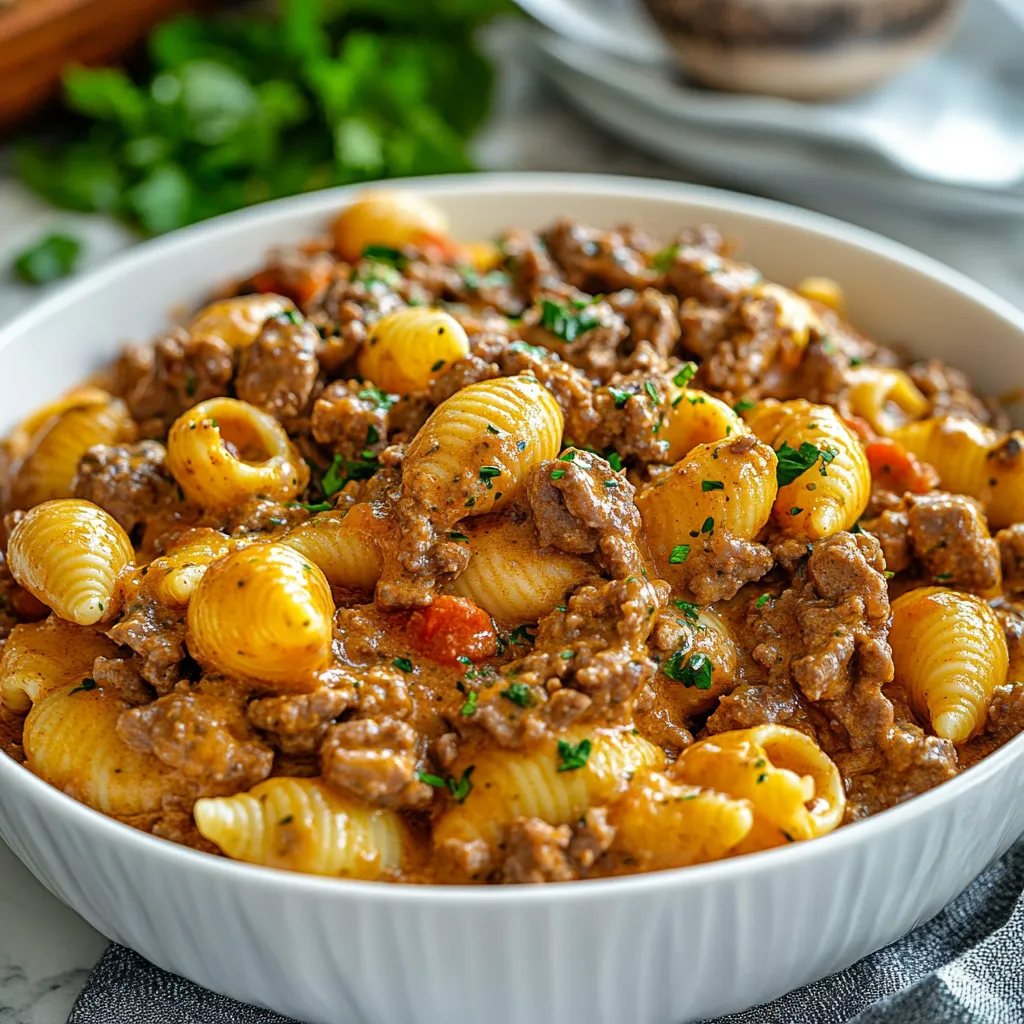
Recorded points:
(654, 949)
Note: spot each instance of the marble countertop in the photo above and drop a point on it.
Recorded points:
(46, 950)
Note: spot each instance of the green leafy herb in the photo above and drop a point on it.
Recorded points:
(615, 461)
(712, 485)
(611, 483)
(518, 693)
(569, 455)
(566, 655)
(942, 577)
(664, 259)
(287, 819)
(49, 259)
(621, 397)
(889, 574)
(557, 474)
(795, 462)
(794, 511)
(685, 375)
(652, 392)
(318, 506)
(379, 398)
(462, 787)
(85, 684)
(762, 600)
(521, 634)
(492, 429)
(708, 525)
(743, 405)
(470, 706)
(563, 323)
(530, 350)
(454, 535)
(385, 254)
(690, 610)
(403, 664)
(694, 670)
(487, 474)
(431, 780)
(680, 553)
(572, 757)
(763, 777)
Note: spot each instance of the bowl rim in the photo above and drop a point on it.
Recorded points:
(25, 785)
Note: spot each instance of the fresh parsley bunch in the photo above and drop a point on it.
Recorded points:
(236, 110)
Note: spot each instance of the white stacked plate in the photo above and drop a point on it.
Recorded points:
(946, 136)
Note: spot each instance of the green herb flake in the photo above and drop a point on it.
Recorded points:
(610, 483)
(49, 259)
(708, 525)
(688, 608)
(85, 684)
(317, 506)
(455, 535)
(380, 399)
(795, 511)
(743, 405)
(469, 707)
(563, 323)
(680, 553)
(522, 635)
(403, 665)
(572, 757)
(462, 787)
(431, 780)
(685, 375)
(664, 259)
(492, 429)
(942, 577)
(621, 397)
(557, 474)
(652, 392)
(519, 694)
(762, 600)
(615, 461)
(763, 777)
(569, 455)
(487, 474)
(470, 502)
(695, 670)
(794, 462)
(889, 574)
(712, 485)
(566, 655)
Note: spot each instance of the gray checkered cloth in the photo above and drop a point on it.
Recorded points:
(964, 967)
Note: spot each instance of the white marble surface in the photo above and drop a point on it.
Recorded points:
(46, 950)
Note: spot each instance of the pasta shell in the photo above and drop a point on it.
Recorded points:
(794, 788)
(407, 349)
(304, 825)
(263, 613)
(71, 742)
(508, 784)
(511, 576)
(663, 824)
(386, 218)
(949, 653)
(224, 451)
(69, 554)
(344, 545)
(695, 417)
(40, 657)
(48, 468)
(172, 578)
(824, 290)
(828, 496)
(478, 446)
(239, 320)
(973, 459)
(886, 397)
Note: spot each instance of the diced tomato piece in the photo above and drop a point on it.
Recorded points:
(861, 428)
(453, 628)
(895, 469)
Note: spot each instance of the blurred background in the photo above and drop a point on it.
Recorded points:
(123, 119)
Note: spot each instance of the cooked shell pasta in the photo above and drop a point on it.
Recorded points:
(949, 653)
(695, 417)
(48, 468)
(173, 577)
(407, 349)
(508, 784)
(264, 613)
(71, 742)
(343, 544)
(40, 657)
(69, 554)
(832, 492)
(238, 321)
(973, 459)
(29, 428)
(725, 486)
(224, 451)
(795, 789)
(304, 825)
(511, 576)
(887, 398)
(475, 451)
(824, 290)
(663, 824)
(796, 317)
(386, 218)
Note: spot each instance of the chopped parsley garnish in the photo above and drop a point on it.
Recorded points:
(385, 254)
(943, 576)
(86, 684)
(621, 397)
(459, 788)
(572, 757)
(856, 528)
(743, 405)
(566, 655)
(615, 461)
(380, 399)
(690, 610)
(708, 525)
(190, 385)
(665, 258)
(563, 323)
(455, 535)
(763, 777)
(292, 316)
(317, 506)
(680, 553)
(530, 350)
(403, 664)
(856, 361)
(685, 375)
(794, 462)
(470, 706)
(694, 671)
(372, 434)
(519, 694)
(522, 635)
(652, 392)
(762, 600)
(611, 483)
(437, 366)
(569, 455)
(287, 819)
(492, 429)
(795, 511)
(557, 474)
(470, 502)
(712, 485)
(889, 574)
(463, 659)
(487, 474)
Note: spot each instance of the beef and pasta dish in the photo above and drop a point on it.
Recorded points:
(570, 554)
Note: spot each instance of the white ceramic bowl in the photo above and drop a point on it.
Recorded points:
(653, 949)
